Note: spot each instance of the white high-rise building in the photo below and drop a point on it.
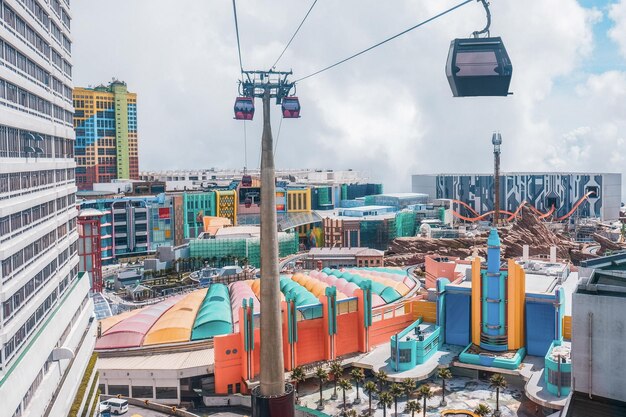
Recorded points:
(46, 328)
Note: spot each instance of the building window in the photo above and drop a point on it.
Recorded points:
(553, 378)
(142, 392)
(118, 390)
(166, 393)
(405, 355)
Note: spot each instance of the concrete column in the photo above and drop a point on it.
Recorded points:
(272, 363)
(525, 252)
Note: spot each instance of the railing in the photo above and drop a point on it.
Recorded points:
(310, 311)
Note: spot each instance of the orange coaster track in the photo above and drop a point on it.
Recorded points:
(513, 215)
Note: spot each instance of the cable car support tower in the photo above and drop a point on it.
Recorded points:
(273, 390)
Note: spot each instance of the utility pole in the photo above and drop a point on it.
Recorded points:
(496, 140)
(273, 397)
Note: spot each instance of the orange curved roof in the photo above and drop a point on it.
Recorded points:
(176, 324)
(255, 284)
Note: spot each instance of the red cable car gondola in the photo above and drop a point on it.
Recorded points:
(291, 107)
(244, 108)
(246, 181)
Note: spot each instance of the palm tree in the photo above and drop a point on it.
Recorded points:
(345, 385)
(385, 400)
(381, 377)
(322, 375)
(409, 387)
(358, 376)
(444, 373)
(424, 393)
(297, 376)
(350, 413)
(497, 382)
(396, 391)
(413, 407)
(482, 410)
(336, 370)
(370, 387)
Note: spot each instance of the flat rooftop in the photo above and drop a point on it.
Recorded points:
(541, 277)
(606, 283)
(345, 252)
(401, 195)
(426, 329)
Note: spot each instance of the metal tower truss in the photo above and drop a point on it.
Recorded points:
(256, 83)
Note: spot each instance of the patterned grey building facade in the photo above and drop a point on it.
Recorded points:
(541, 190)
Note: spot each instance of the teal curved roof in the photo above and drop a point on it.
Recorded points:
(302, 295)
(214, 316)
(390, 295)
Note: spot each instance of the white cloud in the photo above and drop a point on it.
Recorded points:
(389, 112)
(617, 13)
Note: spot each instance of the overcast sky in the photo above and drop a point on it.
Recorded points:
(389, 112)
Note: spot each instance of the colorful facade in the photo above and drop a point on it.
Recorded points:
(298, 200)
(226, 204)
(105, 122)
(134, 226)
(195, 206)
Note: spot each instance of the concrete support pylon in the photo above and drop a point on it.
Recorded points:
(272, 362)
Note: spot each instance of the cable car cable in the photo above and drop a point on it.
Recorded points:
(237, 31)
(245, 148)
(488, 25)
(386, 40)
(294, 34)
(278, 135)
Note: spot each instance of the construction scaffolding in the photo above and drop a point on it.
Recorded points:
(405, 223)
(243, 250)
(377, 234)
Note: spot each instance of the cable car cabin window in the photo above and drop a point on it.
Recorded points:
(244, 106)
(291, 105)
(476, 63)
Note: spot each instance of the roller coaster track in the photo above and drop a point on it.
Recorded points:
(513, 215)
(578, 203)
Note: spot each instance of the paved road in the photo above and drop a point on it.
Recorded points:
(132, 410)
(213, 412)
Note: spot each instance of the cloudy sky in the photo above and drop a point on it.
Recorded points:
(389, 112)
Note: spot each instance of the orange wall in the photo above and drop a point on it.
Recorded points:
(229, 365)
(311, 338)
(347, 339)
(567, 327)
(381, 331)
(427, 310)
(312, 345)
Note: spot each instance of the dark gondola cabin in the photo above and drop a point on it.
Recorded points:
(246, 181)
(291, 107)
(479, 67)
(244, 108)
